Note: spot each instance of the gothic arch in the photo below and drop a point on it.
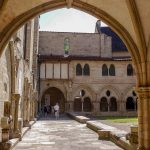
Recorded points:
(51, 96)
(97, 12)
(127, 92)
(79, 71)
(89, 92)
(104, 70)
(61, 88)
(86, 70)
(110, 88)
(130, 70)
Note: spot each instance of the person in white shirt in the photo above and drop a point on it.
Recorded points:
(56, 109)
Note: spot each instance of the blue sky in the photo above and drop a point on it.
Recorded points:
(67, 20)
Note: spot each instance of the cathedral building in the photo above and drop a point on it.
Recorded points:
(89, 73)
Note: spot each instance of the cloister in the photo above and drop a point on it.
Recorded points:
(128, 18)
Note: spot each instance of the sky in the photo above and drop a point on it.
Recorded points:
(68, 20)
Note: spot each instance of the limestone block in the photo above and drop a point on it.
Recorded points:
(5, 135)
(133, 138)
(6, 108)
(5, 123)
(134, 129)
(104, 134)
(20, 124)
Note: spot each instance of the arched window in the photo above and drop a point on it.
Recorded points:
(113, 104)
(77, 105)
(104, 70)
(66, 46)
(130, 104)
(86, 70)
(87, 106)
(103, 104)
(112, 70)
(129, 70)
(78, 70)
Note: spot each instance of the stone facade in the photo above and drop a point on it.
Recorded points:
(58, 70)
(18, 89)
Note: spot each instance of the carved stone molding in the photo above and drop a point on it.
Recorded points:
(143, 92)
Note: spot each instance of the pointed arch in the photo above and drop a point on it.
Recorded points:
(129, 70)
(113, 104)
(104, 70)
(130, 104)
(87, 105)
(86, 70)
(103, 104)
(112, 71)
(78, 70)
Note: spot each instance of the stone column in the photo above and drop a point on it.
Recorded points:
(26, 121)
(96, 107)
(70, 106)
(32, 117)
(15, 98)
(143, 118)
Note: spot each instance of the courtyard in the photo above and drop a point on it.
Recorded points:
(63, 134)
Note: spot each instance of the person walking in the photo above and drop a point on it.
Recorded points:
(56, 110)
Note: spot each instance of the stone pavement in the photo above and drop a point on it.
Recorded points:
(63, 134)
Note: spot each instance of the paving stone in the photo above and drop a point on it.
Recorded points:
(63, 134)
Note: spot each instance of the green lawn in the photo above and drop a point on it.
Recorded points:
(119, 119)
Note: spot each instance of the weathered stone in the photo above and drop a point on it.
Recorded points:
(104, 134)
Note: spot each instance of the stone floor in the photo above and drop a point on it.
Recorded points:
(62, 134)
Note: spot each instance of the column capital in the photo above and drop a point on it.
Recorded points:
(142, 89)
(143, 92)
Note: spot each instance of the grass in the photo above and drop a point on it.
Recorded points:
(118, 119)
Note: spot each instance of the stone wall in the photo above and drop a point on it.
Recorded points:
(81, 44)
(95, 85)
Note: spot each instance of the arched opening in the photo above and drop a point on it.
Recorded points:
(43, 7)
(112, 70)
(87, 105)
(113, 104)
(130, 104)
(66, 46)
(129, 70)
(120, 29)
(103, 104)
(77, 104)
(52, 96)
(86, 70)
(104, 70)
(78, 70)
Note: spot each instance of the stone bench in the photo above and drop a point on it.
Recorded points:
(113, 134)
(95, 125)
(104, 134)
(79, 118)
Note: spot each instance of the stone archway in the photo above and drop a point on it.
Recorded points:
(136, 41)
(130, 104)
(77, 104)
(87, 105)
(42, 7)
(52, 96)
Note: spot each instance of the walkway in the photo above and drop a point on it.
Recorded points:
(64, 134)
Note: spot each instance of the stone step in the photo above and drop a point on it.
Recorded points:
(77, 117)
